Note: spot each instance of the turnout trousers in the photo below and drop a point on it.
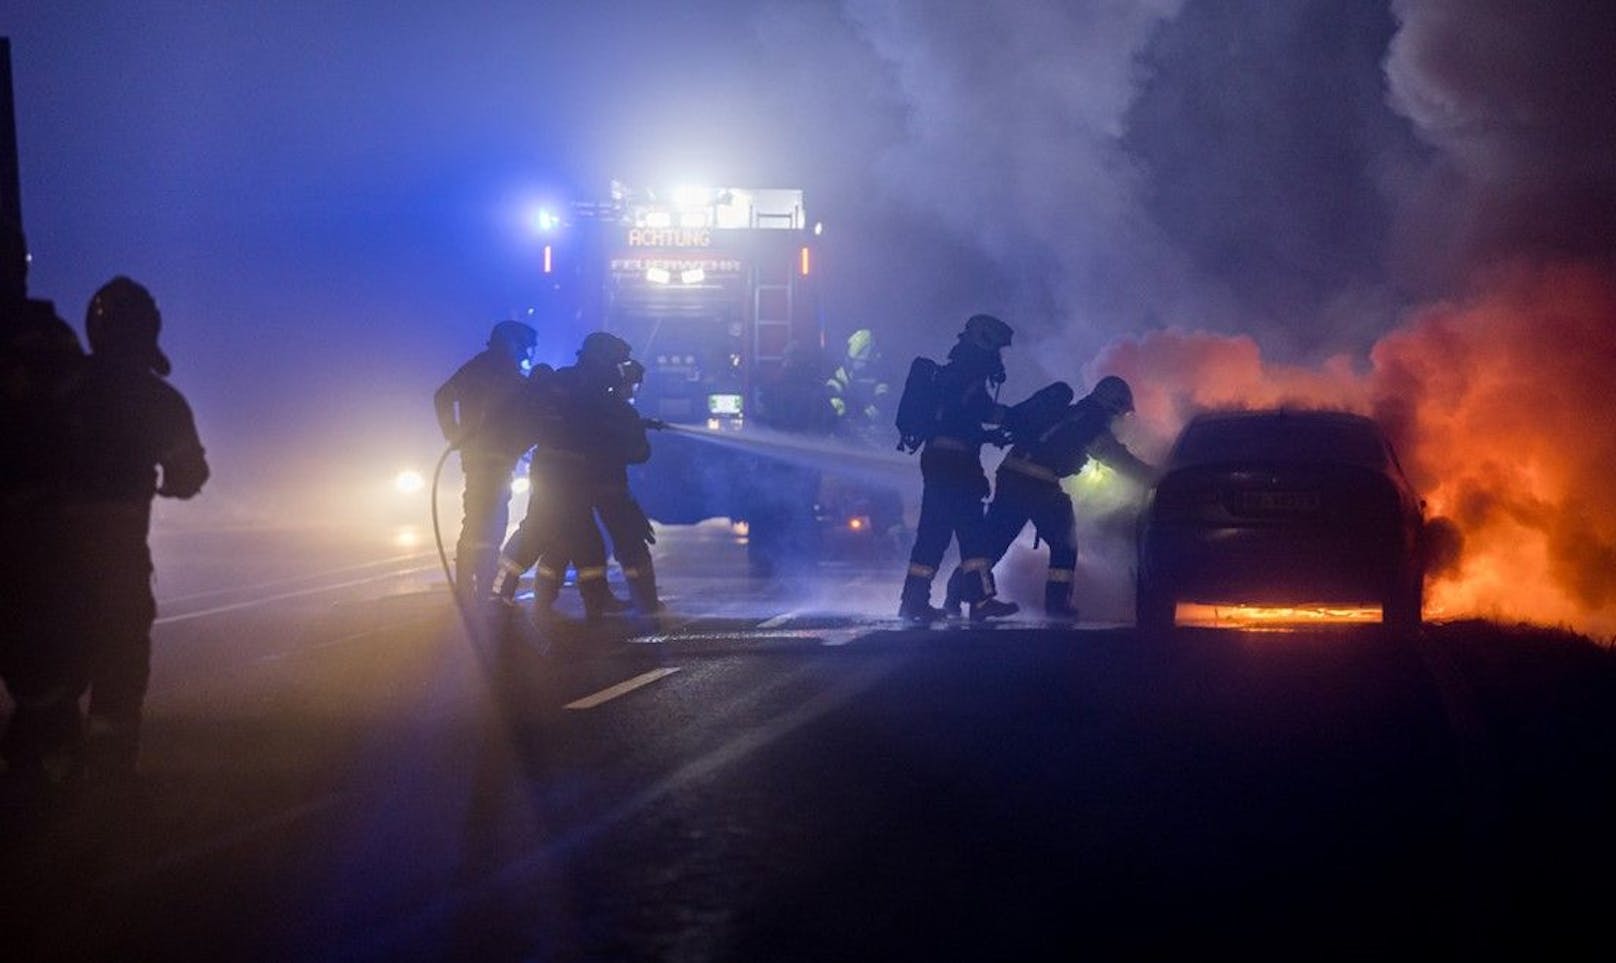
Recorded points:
(1017, 499)
(485, 514)
(955, 487)
(559, 529)
(42, 651)
(630, 532)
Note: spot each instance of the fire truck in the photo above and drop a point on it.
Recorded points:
(709, 286)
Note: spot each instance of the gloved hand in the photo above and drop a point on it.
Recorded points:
(654, 424)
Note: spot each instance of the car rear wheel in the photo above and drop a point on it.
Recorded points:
(1154, 606)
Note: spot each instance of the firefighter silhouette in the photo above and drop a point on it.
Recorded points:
(571, 412)
(1049, 447)
(964, 413)
(41, 362)
(464, 405)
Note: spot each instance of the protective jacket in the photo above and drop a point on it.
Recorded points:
(968, 412)
(858, 397)
(483, 385)
(127, 425)
(1065, 445)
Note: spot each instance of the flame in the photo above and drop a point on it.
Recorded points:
(1270, 618)
(1497, 405)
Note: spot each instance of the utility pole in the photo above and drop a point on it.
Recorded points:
(10, 177)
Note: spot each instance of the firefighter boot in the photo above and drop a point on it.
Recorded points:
(992, 608)
(506, 580)
(642, 590)
(979, 589)
(599, 601)
(1058, 600)
(915, 603)
(111, 748)
(546, 589)
(952, 597)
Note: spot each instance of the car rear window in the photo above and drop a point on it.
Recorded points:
(1289, 437)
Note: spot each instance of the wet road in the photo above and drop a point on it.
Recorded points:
(336, 769)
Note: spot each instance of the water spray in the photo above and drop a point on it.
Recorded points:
(827, 454)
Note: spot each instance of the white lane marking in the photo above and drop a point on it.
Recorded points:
(456, 898)
(621, 688)
(294, 578)
(281, 596)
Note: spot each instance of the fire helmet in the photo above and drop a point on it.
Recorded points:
(1113, 394)
(986, 332)
(605, 350)
(122, 319)
(513, 335)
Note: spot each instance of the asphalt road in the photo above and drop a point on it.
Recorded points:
(336, 768)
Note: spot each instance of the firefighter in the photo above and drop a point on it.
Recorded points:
(623, 442)
(862, 398)
(782, 496)
(1028, 488)
(858, 392)
(963, 396)
(564, 529)
(464, 403)
(134, 438)
(41, 361)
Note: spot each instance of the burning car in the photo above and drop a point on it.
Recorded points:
(1281, 508)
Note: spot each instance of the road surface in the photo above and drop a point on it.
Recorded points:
(336, 768)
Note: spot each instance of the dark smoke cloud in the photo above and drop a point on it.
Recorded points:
(1519, 101)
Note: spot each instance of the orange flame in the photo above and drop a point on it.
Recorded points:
(1499, 406)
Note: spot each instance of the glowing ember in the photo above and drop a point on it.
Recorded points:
(1261, 618)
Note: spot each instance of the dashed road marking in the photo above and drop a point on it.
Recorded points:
(621, 688)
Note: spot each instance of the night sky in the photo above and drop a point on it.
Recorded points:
(329, 201)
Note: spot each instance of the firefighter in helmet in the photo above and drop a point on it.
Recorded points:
(964, 397)
(858, 392)
(622, 441)
(1028, 488)
(465, 406)
(861, 396)
(133, 438)
(587, 439)
(41, 361)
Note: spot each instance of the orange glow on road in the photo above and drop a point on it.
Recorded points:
(1267, 618)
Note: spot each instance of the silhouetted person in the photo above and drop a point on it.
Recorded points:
(967, 414)
(1028, 488)
(41, 363)
(861, 394)
(621, 441)
(135, 438)
(783, 497)
(464, 403)
(560, 528)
